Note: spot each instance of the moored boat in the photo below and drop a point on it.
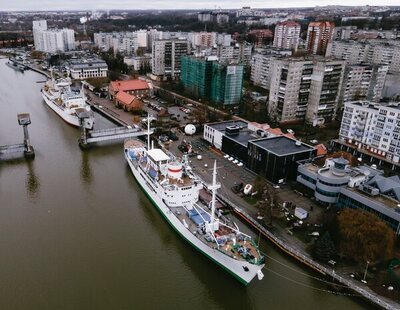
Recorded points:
(174, 190)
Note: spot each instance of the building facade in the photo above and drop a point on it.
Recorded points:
(260, 70)
(363, 82)
(37, 27)
(362, 187)
(287, 35)
(372, 128)
(276, 158)
(376, 52)
(205, 77)
(326, 83)
(319, 34)
(87, 68)
(226, 83)
(166, 57)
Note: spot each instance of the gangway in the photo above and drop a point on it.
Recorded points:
(8, 151)
(93, 136)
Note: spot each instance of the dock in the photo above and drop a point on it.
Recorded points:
(366, 293)
(92, 136)
(22, 149)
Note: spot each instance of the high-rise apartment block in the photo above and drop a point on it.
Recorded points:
(166, 57)
(52, 40)
(210, 79)
(305, 89)
(37, 27)
(363, 82)
(287, 35)
(260, 70)
(326, 82)
(319, 34)
(372, 52)
(373, 128)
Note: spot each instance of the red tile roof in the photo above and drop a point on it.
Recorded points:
(125, 98)
(321, 149)
(129, 85)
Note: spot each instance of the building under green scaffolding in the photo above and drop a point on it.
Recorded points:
(209, 79)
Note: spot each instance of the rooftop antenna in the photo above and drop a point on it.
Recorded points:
(213, 188)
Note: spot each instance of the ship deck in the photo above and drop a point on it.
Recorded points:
(230, 248)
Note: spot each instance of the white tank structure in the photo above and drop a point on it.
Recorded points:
(175, 170)
(190, 129)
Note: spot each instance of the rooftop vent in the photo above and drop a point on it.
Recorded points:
(372, 191)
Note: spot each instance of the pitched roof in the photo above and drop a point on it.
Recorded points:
(129, 85)
(124, 97)
(321, 149)
(390, 185)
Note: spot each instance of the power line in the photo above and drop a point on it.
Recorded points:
(309, 286)
(304, 273)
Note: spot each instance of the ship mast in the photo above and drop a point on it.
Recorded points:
(148, 132)
(213, 189)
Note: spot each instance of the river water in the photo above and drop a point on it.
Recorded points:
(76, 232)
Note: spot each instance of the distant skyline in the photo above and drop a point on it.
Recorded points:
(47, 5)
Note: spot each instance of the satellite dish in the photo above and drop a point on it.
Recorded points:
(190, 129)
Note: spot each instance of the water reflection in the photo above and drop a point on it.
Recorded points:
(86, 171)
(32, 182)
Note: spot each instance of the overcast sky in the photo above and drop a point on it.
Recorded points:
(172, 4)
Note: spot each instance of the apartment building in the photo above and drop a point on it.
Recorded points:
(305, 89)
(207, 78)
(37, 27)
(363, 82)
(372, 52)
(326, 82)
(52, 40)
(373, 128)
(240, 52)
(319, 34)
(166, 57)
(260, 70)
(287, 35)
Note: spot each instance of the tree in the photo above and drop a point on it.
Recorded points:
(324, 248)
(364, 237)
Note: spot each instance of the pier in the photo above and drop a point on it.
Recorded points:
(25, 148)
(308, 261)
(100, 135)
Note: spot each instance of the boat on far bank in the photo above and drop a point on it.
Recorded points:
(15, 65)
(66, 102)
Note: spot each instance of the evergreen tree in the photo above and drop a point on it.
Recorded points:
(324, 248)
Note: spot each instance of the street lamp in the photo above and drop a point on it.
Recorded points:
(365, 273)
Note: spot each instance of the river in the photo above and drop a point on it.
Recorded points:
(76, 232)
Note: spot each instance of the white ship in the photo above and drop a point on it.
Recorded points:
(67, 103)
(174, 190)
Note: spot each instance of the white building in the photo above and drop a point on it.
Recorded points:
(87, 68)
(138, 62)
(287, 35)
(373, 128)
(53, 41)
(37, 27)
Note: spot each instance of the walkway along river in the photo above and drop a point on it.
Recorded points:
(76, 232)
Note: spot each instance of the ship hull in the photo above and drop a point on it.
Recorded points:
(234, 267)
(70, 119)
